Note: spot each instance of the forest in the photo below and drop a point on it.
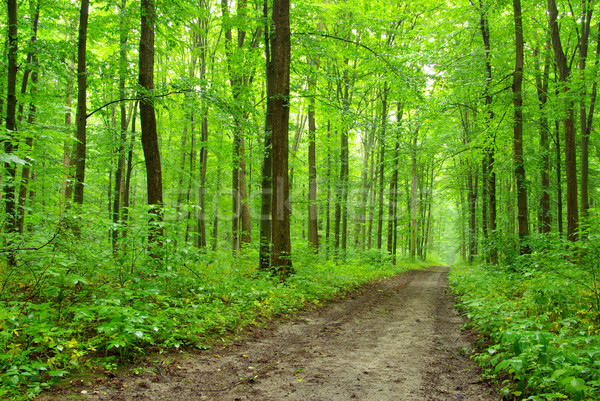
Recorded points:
(175, 171)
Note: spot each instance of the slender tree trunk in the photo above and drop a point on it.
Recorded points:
(489, 155)
(267, 166)
(541, 80)
(119, 173)
(127, 189)
(569, 124)
(413, 195)
(280, 208)
(241, 222)
(203, 42)
(587, 11)
(10, 144)
(472, 231)
(382, 163)
(517, 87)
(328, 209)
(80, 154)
(559, 196)
(26, 171)
(69, 147)
(148, 124)
(313, 226)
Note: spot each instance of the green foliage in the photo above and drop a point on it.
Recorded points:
(72, 306)
(540, 313)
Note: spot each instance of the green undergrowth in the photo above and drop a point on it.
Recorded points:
(540, 314)
(75, 307)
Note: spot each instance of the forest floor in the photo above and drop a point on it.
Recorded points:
(394, 339)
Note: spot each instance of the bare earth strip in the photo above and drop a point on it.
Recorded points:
(396, 339)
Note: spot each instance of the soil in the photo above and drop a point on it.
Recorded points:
(395, 339)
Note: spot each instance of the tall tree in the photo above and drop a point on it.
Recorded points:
(202, 39)
(280, 208)
(148, 123)
(30, 69)
(541, 83)
(240, 78)
(10, 144)
(267, 165)
(313, 226)
(119, 178)
(517, 87)
(568, 122)
(489, 179)
(81, 118)
(586, 118)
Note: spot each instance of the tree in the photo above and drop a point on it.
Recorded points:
(517, 87)
(81, 118)
(568, 123)
(10, 144)
(148, 124)
(280, 207)
(267, 164)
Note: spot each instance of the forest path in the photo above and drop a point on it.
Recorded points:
(395, 339)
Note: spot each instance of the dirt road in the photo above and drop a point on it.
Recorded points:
(396, 339)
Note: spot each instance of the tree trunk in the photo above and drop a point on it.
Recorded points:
(559, 196)
(239, 80)
(10, 145)
(80, 154)
(568, 122)
(413, 195)
(541, 83)
(489, 180)
(522, 212)
(586, 18)
(382, 163)
(280, 208)
(26, 171)
(148, 124)
(267, 166)
(127, 189)
(119, 177)
(203, 42)
(313, 226)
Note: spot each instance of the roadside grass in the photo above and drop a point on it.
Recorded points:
(76, 308)
(541, 315)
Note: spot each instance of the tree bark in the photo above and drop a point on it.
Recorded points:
(568, 122)
(81, 119)
(32, 60)
(586, 18)
(489, 180)
(267, 166)
(203, 42)
(541, 83)
(517, 87)
(10, 144)
(119, 177)
(382, 163)
(280, 208)
(241, 222)
(148, 125)
(313, 226)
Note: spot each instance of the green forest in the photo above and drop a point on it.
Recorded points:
(173, 172)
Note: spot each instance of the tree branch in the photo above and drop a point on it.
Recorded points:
(137, 99)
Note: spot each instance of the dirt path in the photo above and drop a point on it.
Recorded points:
(396, 339)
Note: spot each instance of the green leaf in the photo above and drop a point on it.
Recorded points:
(10, 158)
(575, 387)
